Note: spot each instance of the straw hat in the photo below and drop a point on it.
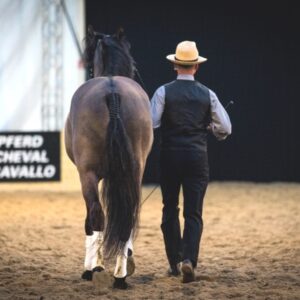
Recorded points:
(186, 54)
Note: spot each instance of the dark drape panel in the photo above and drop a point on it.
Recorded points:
(253, 59)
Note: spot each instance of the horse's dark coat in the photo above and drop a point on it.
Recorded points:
(107, 145)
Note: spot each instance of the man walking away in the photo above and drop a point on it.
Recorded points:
(185, 110)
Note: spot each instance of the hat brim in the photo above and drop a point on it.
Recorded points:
(171, 57)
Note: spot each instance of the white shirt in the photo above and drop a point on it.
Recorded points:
(220, 122)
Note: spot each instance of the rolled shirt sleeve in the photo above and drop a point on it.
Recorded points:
(220, 121)
(157, 106)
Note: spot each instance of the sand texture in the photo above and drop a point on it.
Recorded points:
(250, 245)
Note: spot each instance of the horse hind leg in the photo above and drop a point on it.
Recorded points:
(94, 225)
(93, 261)
(130, 260)
(125, 266)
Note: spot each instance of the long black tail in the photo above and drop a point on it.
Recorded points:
(121, 186)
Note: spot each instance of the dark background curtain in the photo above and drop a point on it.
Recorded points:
(253, 59)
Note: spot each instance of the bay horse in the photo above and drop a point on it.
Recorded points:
(108, 136)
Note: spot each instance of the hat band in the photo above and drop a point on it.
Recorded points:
(192, 60)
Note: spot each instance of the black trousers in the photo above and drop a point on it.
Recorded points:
(190, 170)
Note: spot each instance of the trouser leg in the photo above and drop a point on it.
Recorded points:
(194, 187)
(170, 187)
(194, 192)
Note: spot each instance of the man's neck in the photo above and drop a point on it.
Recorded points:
(185, 72)
(185, 77)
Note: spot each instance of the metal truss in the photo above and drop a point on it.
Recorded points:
(52, 65)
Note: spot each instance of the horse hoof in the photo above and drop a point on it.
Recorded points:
(120, 283)
(130, 265)
(101, 278)
(87, 275)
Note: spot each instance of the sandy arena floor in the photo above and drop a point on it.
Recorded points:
(250, 247)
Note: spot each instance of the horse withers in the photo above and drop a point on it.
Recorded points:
(108, 136)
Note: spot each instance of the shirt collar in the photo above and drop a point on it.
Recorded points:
(185, 77)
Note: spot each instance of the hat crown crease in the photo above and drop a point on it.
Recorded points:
(187, 51)
(186, 54)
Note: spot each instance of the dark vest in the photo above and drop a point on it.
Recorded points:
(186, 116)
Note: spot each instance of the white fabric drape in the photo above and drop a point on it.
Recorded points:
(21, 62)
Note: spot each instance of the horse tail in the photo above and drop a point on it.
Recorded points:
(121, 184)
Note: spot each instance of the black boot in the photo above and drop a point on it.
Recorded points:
(174, 270)
(188, 271)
